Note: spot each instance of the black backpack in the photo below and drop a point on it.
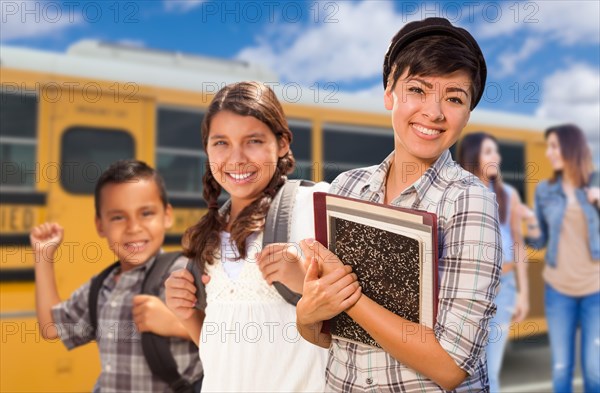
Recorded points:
(156, 348)
(277, 230)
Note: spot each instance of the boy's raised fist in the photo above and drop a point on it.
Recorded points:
(46, 237)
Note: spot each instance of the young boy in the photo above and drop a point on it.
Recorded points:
(132, 213)
(433, 75)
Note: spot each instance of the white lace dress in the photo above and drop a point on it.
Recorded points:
(249, 340)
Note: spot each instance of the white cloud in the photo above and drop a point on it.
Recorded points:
(34, 19)
(375, 91)
(566, 22)
(352, 48)
(349, 49)
(181, 6)
(573, 95)
(132, 43)
(509, 60)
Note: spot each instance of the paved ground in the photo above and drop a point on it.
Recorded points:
(527, 368)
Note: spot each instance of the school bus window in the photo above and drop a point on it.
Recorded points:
(182, 171)
(302, 147)
(454, 151)
(513, 165)
(347, 147)
(18, 164)
(87, 151)
(18, 115)
(18, 126)
(179, 128)
(180, 156)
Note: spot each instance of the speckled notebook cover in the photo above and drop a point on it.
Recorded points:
(391, 252)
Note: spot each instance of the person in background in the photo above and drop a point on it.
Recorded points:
(566, 223)
(478, 153)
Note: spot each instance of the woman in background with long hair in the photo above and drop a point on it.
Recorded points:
(478, 153)
(566, 222)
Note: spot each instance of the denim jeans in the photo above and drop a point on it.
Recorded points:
(499, 328)
(564, 315)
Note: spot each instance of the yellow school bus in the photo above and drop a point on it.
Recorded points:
(64, 117)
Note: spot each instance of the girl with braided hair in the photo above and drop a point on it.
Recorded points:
(246, 332)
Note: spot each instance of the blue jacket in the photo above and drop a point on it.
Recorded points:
(550, 204)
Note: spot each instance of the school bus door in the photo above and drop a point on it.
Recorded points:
(85, 129)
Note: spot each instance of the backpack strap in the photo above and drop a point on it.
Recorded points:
(279, 218)
(278, 226)
(155, 276)
(95, 287)
(157, 349)
(192, 267)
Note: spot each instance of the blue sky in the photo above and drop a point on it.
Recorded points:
(543, 56)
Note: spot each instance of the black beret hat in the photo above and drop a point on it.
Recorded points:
(429, 27)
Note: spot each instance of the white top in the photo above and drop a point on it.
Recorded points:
(249, 340)
(229, 261)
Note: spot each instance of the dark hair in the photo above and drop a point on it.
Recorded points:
(124, 171)
(435, 56)
(575, 153)
(469, 152)
(245, 99)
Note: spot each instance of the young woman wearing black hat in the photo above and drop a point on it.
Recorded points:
(434, 74)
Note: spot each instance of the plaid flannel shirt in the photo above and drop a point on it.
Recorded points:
(470, 257)
(124, 367)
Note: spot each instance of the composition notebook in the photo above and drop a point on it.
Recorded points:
(392, 250)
